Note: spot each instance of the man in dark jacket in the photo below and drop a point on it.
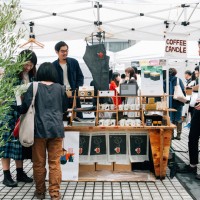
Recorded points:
(69, 71)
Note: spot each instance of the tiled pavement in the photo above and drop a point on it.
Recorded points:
(166, 189)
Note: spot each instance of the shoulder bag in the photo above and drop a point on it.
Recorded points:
(178, 93)
(26, 130)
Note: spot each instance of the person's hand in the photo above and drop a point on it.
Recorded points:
(197, 104)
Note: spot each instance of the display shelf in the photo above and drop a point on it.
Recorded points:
(141, 103)
(129, 111)
(107, 110)
(116, 128)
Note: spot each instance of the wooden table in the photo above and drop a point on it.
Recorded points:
(160, 141)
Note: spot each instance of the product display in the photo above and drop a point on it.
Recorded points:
(155, 76)
(119, 135)
(135, 125)
(86, 91)
(136, 115)
(146, 74)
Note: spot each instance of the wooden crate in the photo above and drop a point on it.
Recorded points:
(100, 167)
(123, 167)
(87, 167)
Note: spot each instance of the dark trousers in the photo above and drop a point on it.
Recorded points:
(193, 138)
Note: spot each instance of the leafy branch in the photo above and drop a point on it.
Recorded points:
(9, 42)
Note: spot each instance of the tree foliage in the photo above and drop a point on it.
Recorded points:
(9, 40)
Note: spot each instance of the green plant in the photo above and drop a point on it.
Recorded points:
(9, 40)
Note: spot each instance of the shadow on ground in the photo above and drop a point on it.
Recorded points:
(187, 180)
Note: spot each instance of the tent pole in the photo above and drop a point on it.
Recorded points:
(167, 81)
(199, 69)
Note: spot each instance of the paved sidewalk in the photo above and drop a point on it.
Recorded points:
(166, 189)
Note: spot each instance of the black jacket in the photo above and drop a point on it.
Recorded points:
(75, 75)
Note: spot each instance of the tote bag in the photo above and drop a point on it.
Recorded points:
(178, 93)
(193, 99)
(26, 130)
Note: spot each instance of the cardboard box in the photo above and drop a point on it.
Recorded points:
(86, 91)
(123, 167)
(87, 167)
(100, 167)
(150, 106)
(151, 100)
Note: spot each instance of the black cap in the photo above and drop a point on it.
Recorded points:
(188, 72)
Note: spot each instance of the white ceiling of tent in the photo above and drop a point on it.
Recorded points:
(121, 19)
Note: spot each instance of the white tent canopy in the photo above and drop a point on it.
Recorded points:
(152, 50)
(121, 19)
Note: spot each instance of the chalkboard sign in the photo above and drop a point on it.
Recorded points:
(84, 144)
(138, 144)
(98, 145)
(117, 144)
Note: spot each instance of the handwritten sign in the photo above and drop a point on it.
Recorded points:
(176, 46)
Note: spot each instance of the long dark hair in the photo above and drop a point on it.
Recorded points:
(28, 55)
(114, 76)
(132, 72)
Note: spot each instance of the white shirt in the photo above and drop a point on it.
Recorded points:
(65, 76)
(25, 78)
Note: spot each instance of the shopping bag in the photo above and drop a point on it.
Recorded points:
(26, 131)
(178, 93)
(193, 99)
(16, 129)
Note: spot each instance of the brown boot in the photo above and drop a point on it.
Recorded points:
(39, 195)
(179, 131)
(56, 198)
